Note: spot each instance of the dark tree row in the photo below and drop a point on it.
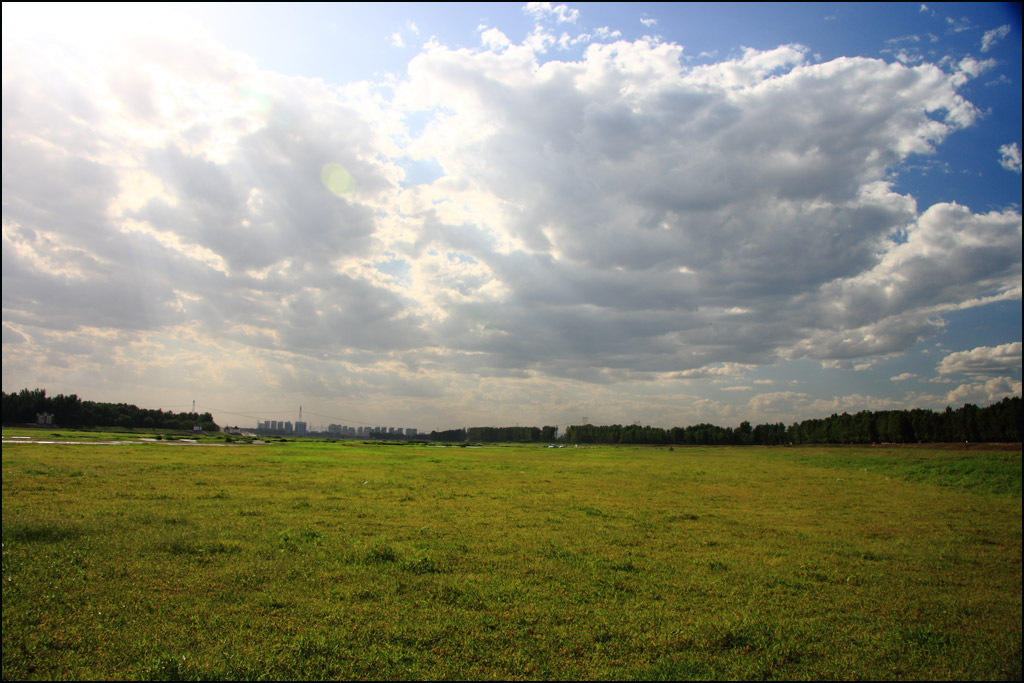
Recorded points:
(511, 434)
(71, 411)
(497, 434)
(452, 435)
(1000, 422)
(697, 435)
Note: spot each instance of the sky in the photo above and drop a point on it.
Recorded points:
(439, 216)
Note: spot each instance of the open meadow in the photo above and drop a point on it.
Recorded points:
(311, 560)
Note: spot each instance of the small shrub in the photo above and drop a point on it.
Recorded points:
(381, 554)
(626, 565)
(423, 565)
(310, 536)
(926, 638)
(182, 546)
(171, 669)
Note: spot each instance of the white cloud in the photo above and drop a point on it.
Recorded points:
(905, 56)
(791, 406)
(1009, 157)
(605, 33)
(649, 22)
(972, 67)
(494, 39)
(750, 70)
(903, 376)
(544, 10)
(984, 393)
(994, 36)
(853, 403)
(769, 405)
(959, 25)
(899, 298)
(719, 371)
(234, 168)
(398, 40)
(983, 360)
(566, 42)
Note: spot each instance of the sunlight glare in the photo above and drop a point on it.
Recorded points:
(337, 179)
(88, 25)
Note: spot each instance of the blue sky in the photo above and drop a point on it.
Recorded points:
(433, 215)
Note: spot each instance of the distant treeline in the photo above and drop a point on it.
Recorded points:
(71, 411)
(1000, 422)
(496, 434)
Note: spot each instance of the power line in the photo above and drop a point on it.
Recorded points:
(253, 415)
(341, 419)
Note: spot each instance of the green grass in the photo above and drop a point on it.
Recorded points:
(304, 559)
(978, 467)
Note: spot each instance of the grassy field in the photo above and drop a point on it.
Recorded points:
(316, 560)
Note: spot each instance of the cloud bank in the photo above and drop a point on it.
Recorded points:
(984, 360)
(1009, 157)
(618, 218)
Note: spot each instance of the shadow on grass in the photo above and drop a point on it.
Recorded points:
(41, 532)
